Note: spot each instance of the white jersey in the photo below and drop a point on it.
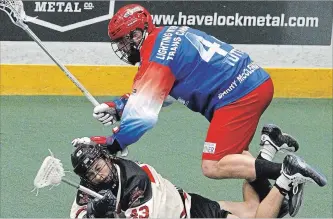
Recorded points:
(165, 201)
(78, 211)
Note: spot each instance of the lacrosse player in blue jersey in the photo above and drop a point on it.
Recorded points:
(208, 76)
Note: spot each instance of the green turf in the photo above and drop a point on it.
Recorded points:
(32, 125)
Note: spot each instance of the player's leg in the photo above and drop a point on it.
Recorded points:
(245, 209)
(202, 207)
(253, 193)
(273, 140)
(295, 172)
(230, 133)
(270, 206)
(248, 208)
(257, 191)
(226, 159)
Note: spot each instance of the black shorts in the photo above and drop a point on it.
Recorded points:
(202, 207)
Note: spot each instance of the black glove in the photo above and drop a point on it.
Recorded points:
(102, 208)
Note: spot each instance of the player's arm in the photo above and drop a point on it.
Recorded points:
(135, 194)
(110, 112)
(150, 89)
(79, 206)
(78, 211)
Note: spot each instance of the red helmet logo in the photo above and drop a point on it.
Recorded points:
(131, 11)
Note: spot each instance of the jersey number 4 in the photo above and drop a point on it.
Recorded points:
(200, 43)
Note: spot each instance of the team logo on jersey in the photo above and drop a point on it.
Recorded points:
(135, 196)
(209, 147)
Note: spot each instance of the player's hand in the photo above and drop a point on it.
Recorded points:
(102, 207)
(84, 140)
(106, 113)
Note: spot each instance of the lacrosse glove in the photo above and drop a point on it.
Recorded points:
(102, 208)
(108, 143)
(108, 113)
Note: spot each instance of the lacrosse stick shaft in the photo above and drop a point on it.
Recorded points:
(82, 188)
(124, 152)
(69, 75)
(62, 67)
(16, 13)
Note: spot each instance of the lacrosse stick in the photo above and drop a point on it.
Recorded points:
(52, 173)
(15, 11)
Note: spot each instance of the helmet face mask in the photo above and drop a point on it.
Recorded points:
(127, 30)
(94, 166)
(100, 172)
(127, 47)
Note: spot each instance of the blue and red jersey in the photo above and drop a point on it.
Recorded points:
(198, 70)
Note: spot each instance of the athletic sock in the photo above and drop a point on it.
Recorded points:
(282, 183)
(267, 151)
(262, 186)
(267, 169)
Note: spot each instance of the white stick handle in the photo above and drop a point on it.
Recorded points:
(90, 192)
(62, 67)
(82, 188)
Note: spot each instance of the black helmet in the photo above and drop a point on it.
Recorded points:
(84, 156)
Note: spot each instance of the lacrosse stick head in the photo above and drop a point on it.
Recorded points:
(50, 173)
(15, 10)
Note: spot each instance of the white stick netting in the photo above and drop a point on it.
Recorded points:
(15, 10)
(50, 173)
